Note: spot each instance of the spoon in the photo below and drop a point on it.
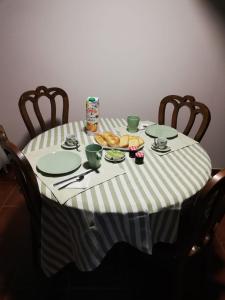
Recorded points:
(79, 178)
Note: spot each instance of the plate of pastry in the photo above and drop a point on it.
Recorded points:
(109, 140)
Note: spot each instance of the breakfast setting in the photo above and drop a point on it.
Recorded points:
(114, 175)
(80, 165)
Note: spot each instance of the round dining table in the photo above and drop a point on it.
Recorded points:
(141, 206)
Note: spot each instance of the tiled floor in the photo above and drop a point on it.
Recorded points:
(17, 276)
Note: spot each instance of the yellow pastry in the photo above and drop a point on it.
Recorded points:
(133, 141)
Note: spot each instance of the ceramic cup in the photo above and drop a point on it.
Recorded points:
(94, 155)
(160, 143)
(132, 123)
(71, 140)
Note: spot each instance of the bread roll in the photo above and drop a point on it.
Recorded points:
(106, 134)
(100, 140)
(111, 139)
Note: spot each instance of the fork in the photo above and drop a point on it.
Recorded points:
(79, 178)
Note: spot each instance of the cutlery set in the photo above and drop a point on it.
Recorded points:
(78, 177)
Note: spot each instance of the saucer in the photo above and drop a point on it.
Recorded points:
(133, 131)
(114, 155)
(166, 149)
(65, 146)
(114, 160)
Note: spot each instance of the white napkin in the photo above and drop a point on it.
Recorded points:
(179, 142)
(106, 172)
(144, 124)
(83, 184)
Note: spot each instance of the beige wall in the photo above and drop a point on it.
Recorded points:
(130, 53)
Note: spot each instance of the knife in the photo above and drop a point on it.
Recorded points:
(84, 173)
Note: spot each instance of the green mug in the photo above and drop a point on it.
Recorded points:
(94, 155)
(132, 123)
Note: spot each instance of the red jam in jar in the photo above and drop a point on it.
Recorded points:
(132, 151)
(139, 158)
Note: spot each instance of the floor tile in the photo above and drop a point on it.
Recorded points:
(15, 198)
(16, 268)
(14, 223)
(20, 294)
(6, 191)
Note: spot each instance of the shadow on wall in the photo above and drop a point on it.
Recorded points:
(218, 6)
(26, 137)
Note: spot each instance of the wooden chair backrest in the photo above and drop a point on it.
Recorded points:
(204, 213)
(34, 96)
(195, 109)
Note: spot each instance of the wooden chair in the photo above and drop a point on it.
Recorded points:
(198, 222)
(196, 108)
(34, 97)
(29, 187)
(201, 217)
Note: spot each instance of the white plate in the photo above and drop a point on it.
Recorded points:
(161, 150)
(59, 162)
(161, 131)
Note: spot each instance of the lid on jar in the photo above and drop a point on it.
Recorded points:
(92, 99)
(133, 148)
(139, 154)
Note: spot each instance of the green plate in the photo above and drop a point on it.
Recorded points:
(161, 131)
(59, 162)
(114, 155)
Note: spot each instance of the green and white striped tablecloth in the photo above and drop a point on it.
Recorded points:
(141, 208)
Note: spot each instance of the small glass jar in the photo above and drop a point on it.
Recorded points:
(139, 158)
(132, 151)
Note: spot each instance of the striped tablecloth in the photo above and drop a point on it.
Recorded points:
(141, 208)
